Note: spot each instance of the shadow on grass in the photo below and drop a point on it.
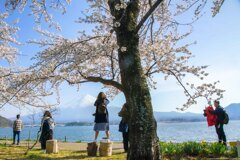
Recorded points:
(79, 152)
(42, 157)
(37, 157)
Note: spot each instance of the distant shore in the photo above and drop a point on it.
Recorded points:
(111, 123)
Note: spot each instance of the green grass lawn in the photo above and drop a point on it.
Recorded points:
(171, 151)
(18, 153)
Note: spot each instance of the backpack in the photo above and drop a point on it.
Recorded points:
(226, 118)
(101, 108)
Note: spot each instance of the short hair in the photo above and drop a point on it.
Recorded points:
(18, 116)
(217, 101)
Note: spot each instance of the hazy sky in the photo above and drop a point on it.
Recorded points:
(218, 45)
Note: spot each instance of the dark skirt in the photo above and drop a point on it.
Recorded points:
(101, 118)
(44, 137)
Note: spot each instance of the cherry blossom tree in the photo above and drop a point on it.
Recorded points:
(131, 42)
(15, 85)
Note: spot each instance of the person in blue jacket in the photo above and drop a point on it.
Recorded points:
(220, 113)
(123, 126)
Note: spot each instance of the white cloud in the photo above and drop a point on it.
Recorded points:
(79, 102)
(87, 100)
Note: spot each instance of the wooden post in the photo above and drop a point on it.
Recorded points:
(92, 149)
(105, 149)
(51, 146)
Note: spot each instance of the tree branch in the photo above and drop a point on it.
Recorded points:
(106, 82)
(148, 73)
(103, 81)
(148, 14)
(179, 81)
(14, 95)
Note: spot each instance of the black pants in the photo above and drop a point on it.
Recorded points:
(16, 133)
(220, 133)
(125, 141)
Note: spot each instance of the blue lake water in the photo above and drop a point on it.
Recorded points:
(176, 132)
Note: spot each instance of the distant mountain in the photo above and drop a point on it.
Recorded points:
(76, 111)
(83, 114)
(82, 111)
(233, 111)
(4, 122)
(178, 116)
(74, 114)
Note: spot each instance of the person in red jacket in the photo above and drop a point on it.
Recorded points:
(219, 113)
(211, 118)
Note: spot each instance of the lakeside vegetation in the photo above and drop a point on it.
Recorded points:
(198, 150)
(169, 150)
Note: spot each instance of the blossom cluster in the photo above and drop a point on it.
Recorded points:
(94, 56)
(7, 38)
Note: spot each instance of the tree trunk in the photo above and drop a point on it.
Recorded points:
(144, 143)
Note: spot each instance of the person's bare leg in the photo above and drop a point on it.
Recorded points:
(108, 134)
(96, 135)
